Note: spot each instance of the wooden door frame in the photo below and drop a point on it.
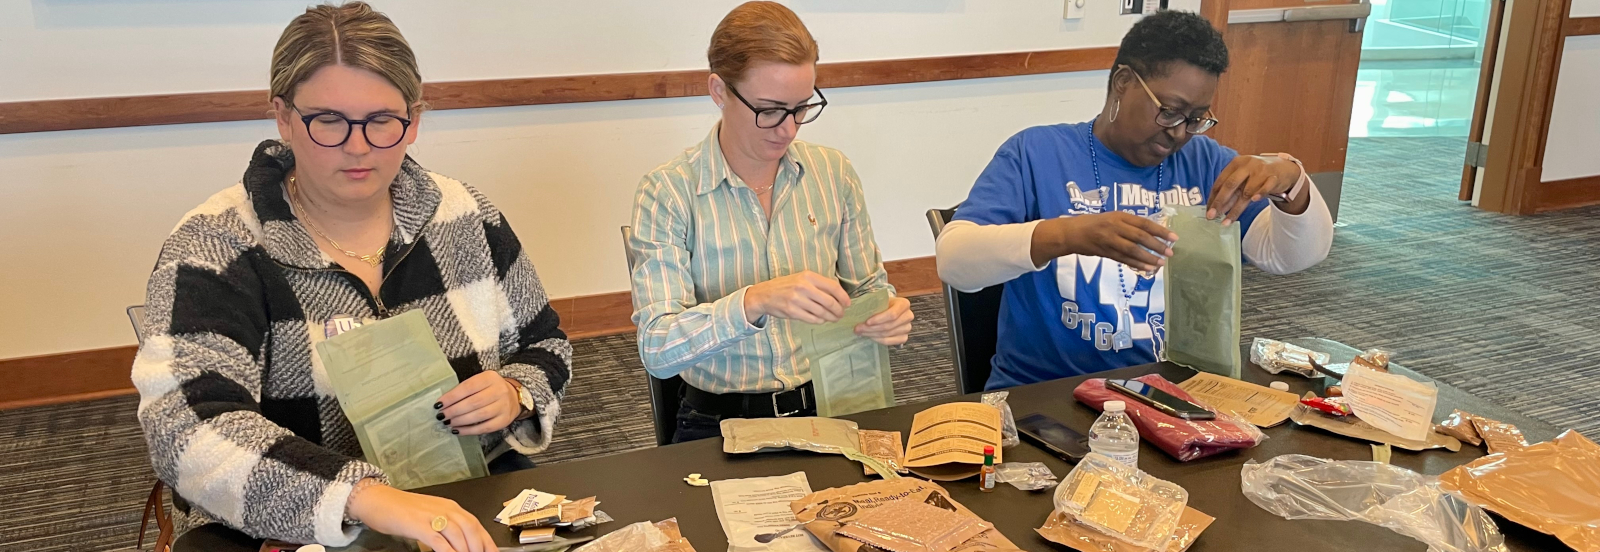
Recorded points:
(1529, 65)
(1480, 108)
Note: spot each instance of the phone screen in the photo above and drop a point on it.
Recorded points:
(1151, 394)
(1054, 436)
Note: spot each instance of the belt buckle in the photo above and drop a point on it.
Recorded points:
(779, 413)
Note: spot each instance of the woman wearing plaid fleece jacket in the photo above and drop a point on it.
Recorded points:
(235, 404)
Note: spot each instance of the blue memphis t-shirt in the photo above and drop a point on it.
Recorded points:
(1060, 322)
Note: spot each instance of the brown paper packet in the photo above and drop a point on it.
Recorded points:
(1499, 436)
(1551, 487)
(824, 512)
(1459, 425)
(1062, 530)
(675, 540)
(902, 525)
(578, 509)
(886, 447)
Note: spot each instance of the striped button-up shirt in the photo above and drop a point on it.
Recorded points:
(701, 238)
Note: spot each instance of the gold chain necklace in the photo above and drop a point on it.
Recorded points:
(375, 259)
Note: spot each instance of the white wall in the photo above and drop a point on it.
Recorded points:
(1569, 147)
(83, 213)
(1585, 8)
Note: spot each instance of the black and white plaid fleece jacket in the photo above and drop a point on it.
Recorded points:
(236, 407)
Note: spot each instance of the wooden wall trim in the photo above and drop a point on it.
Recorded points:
(100, 373)
(210, 107)
(1582, 26)
(1566, 194)
(1529, 68)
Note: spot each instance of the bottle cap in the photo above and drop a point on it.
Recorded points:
(988, 450)
(1281, 386)
(1116, 406)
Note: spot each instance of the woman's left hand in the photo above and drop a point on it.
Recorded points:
(890, 327)
(485, 403)
(1248, 179)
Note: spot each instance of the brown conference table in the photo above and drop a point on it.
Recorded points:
(647, 484)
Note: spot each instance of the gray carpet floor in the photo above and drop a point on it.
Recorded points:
(1499, 306)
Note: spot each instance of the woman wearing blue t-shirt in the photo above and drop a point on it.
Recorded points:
(1058, 215)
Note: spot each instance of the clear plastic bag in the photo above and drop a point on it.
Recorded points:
(1027, 476)
(1296, 486)
(1121, 502)
(1008, 423)
(1202, 286)
(643, 536)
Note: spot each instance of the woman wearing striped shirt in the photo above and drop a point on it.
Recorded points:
(750, 231)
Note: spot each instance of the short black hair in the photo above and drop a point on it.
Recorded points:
(1166, 36)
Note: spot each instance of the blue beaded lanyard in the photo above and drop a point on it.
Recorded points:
(1123, 336)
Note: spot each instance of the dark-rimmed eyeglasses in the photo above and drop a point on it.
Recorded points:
(1170, 118)
(771, 117)
(331, 130)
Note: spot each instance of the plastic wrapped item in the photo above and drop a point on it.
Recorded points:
(1062, 529)
(1552, 487)
(1122, 502)
(824, 435)
(1376, 359)
(1278, 357)
(1296, 486)
(1333, 406)
(1459, 425)
(1202, 287)
(1184, 440)
(913, 527)
(643, 536)
(1008, 423)
(1027, 476)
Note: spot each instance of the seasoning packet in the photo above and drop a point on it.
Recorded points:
(914, 527)
(1499, 436)
(1459, 425)
(824, 435)
(884, 446)
(1278, 357)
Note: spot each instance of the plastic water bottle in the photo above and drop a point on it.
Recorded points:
(1114, 435)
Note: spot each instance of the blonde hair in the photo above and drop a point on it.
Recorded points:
(352, 35)
(755, 32)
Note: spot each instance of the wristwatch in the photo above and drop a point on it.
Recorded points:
(524, 398)
(1299, 185)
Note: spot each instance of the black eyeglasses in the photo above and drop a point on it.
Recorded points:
(771, 117)
(331, 130)
(1168, 117)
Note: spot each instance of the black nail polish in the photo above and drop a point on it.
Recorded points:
(447, 422)
(438, 405)
(439, 416)
(455, 432)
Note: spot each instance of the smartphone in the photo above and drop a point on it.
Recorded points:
(1160, 400)
(1053, 436)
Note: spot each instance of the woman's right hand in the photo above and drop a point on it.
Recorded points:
(398, 513)
(1118, 235)
(805, 296)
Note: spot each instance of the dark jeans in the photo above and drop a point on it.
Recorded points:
(694, 425)
(510, 461)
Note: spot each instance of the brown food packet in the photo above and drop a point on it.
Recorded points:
(578, 509)
(1552, 487)
(886, 447)
(825, 512)
(1499, 436)
(913, 527)
(675, 540)
(1062, 530)
(1459, 425)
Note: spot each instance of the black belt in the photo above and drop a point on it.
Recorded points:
(799, 401)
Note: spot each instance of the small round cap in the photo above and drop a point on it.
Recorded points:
(1116, 406)
(1281, 386)
(988, 449)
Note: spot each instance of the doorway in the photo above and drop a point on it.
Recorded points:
(1418, 78)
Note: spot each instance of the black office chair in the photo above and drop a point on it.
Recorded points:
(665, 394)
(974, 321)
